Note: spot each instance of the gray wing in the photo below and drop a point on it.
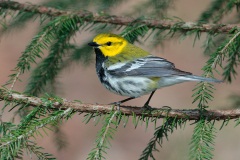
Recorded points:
(149, 66)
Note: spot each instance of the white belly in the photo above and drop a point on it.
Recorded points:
(129, 86)
(137, 86)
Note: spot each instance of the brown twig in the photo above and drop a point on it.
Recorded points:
(190, 114)
(110, 19)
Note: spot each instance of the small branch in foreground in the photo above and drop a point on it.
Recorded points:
(110, 19)
(190, 114)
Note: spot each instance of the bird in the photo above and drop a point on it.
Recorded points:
(128, 70)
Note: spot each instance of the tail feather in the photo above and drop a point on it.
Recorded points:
(199, 78)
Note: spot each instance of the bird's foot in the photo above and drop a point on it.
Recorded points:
(166, 108)
(120, 102)
(147, 107)
(117, 104)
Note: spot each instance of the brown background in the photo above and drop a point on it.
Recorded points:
(80, 82)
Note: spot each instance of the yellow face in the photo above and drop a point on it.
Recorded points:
(110, 44)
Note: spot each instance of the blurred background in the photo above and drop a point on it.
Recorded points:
(80, 82)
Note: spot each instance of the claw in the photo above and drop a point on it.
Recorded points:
(166, 107)
(116, 104)
(147, 107)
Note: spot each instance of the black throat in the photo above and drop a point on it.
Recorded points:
(100, 58)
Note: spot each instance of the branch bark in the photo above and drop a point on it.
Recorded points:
(190, 114)
(111, 19)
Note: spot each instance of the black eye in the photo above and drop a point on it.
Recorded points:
(109, 43)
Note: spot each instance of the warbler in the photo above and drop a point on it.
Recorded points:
(128, 70)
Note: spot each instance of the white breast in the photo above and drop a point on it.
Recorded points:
(128, 86)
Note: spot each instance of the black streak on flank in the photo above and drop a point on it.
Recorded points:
(130, 83)
(121, 88)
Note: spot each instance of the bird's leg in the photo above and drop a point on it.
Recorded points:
(146, 104)
(122, 101)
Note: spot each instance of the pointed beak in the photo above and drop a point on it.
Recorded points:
(93, 44)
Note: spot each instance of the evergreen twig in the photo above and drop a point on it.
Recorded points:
(58, 27)
(161, 132)
(190, 114)
(103, 137)
(108, 19)
(16, 140)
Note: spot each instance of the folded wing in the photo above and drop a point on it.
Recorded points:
(150, 66)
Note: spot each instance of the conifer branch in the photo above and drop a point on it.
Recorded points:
(230, 42)
(14, 80)
(104, 135)
(117, 20)
(190, 114)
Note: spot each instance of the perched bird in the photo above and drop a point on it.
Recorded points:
(128, 70)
